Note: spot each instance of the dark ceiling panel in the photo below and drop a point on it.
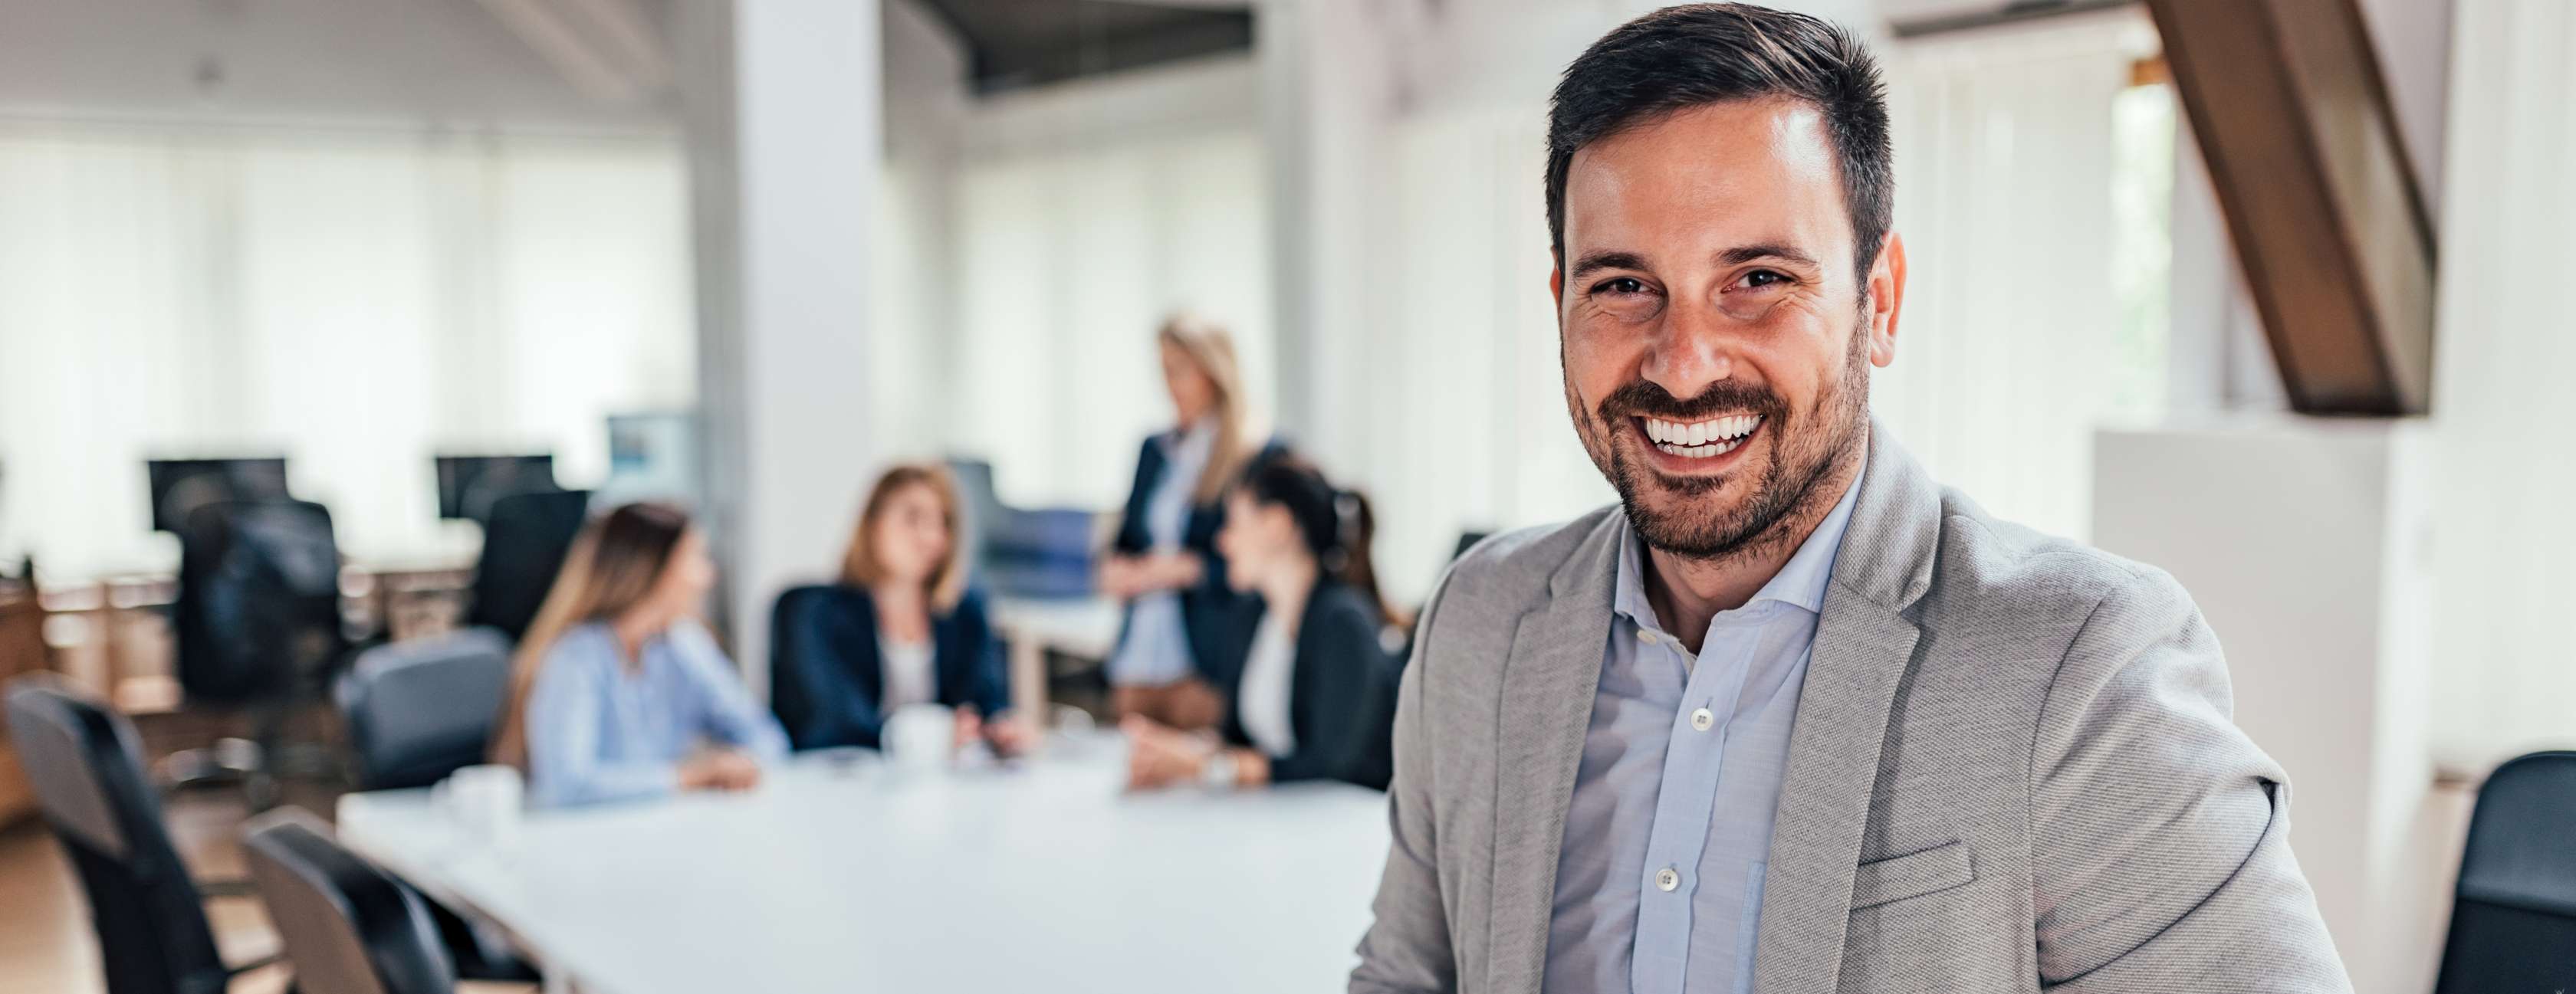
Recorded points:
(1022, 43)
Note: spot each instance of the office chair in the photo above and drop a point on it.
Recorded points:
(524, 546)
(2513, 917)
(417, 711)
(348, 927)
(88, 775)
(258, 625)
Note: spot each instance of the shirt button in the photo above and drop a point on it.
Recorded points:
(1701, 719)
(1645, 636)
(1666, 879)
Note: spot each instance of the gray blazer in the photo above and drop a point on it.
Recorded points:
(2013, 769)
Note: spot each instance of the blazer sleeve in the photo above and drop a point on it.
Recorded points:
(2160, 851)
(814, 688)
(1406, 950)
(988, 673)
(1132, 537)
(1344, 725)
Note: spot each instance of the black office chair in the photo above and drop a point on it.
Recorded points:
(2513, 918)
(88, 775)
(524, 546)
(348, 927)
(258, 626)
(417, 711)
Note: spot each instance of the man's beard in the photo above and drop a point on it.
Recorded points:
(1801, 451)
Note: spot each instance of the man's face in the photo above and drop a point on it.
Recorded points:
(1716, 336)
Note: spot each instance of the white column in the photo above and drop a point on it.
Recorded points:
(783, 105)
(2306, 543)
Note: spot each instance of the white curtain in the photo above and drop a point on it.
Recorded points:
(2504, 541)
(2015, 341)
(356, 300)
(1068, 259)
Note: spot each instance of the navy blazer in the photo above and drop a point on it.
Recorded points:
(827, 677)
(1218, 620)
(1341, 695)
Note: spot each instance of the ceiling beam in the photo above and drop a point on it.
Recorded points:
(2329, 226)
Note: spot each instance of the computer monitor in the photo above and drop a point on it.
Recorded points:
(180, 486)
(468, 485)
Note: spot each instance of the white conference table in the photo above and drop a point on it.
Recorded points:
(839, 877)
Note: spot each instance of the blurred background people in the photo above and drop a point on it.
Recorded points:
(618, 692)
(1184, 626)
(900, 628)
(1315, 697)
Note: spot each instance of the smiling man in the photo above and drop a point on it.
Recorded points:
(1792, 718)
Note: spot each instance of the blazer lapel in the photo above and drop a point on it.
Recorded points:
(1548, 686)
(1860, 653)
(1864, 643)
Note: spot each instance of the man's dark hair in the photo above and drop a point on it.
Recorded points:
(1688, 56)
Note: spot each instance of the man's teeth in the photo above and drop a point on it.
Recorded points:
(1702, 439)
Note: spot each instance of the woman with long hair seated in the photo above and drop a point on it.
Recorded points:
(618, 692)
(1316, 696)
(900, 628)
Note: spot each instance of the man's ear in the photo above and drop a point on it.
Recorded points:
(1556, 286)
(1886, 299)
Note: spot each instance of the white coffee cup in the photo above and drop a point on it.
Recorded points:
(485, 802)
(919, 736)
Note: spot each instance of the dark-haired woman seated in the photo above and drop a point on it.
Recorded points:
(900, 628)
(1316, 696)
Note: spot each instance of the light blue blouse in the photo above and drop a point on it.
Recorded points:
(601, 731)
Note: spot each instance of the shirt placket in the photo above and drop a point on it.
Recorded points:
(1694, 757)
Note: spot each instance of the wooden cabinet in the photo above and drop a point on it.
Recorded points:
(22, 650)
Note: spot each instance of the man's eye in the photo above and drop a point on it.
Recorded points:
(1620, 285)
(1760, 278)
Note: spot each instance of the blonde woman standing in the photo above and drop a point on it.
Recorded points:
(1185, 631)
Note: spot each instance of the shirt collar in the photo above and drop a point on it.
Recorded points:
(1801, 582)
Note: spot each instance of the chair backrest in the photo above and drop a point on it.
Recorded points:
(88, 776)
(417, 711)
(524, 545)
(258, 614)
(2513, 919)
(347, 927)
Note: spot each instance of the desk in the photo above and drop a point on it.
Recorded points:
(869, 878)
(1080, 626)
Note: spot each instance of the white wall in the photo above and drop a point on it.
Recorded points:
(2501, 401)
(915, 281)
(1086, 213)
(448, 62)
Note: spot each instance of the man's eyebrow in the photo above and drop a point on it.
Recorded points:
(1593, 262)
(1742, 254)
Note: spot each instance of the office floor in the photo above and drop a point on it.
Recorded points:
(46, 946)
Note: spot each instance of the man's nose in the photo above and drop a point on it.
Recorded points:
(1693, 348)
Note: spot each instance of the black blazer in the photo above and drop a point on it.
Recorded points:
(1341, 695)
(1218, 620)
(827, 678)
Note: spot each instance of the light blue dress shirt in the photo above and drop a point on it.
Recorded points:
(1659, 882)
(1156, 650)
(600, 731)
